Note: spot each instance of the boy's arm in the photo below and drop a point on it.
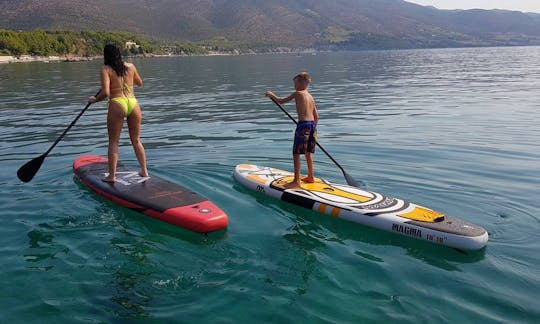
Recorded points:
(315, 114)
(270, 94)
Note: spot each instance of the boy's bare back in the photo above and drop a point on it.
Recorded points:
(305, 106)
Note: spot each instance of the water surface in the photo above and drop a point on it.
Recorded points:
(455, 130)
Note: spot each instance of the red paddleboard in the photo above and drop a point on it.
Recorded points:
(153, 196)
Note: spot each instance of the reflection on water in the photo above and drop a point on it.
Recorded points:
(453, 129)
(40, 251)
(314, 230)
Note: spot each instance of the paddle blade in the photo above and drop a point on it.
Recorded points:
(350, 180)
(29, 170)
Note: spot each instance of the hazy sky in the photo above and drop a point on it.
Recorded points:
(519, 5)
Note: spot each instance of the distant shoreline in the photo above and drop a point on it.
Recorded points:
(6, 59)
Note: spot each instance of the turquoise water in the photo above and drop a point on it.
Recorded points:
(455, 130)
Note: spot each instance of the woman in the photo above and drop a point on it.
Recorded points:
(117, 80)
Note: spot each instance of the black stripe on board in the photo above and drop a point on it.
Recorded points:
(297, 200)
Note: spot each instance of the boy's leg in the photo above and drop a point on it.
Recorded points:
(296, 181)
(310, 148)
(296, 159)
(309, 161)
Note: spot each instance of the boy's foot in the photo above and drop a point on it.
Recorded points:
(308, 179)
(292, 185)
(143, 175)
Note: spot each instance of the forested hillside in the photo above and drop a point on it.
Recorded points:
(46, 43)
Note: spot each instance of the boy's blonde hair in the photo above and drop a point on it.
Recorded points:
(303, 77)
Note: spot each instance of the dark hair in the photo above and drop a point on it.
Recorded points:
(113, 58)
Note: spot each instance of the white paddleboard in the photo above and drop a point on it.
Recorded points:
(365, 207)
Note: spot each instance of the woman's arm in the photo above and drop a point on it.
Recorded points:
(137, 80)
(136, 77)
(105, 87)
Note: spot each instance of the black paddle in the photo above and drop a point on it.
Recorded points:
(349, 179)
(29, 169)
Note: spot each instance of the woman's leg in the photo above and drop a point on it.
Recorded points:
(115, 120)
(134, 125)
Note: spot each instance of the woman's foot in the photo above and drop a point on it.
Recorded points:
(143, 177)
(108, 179)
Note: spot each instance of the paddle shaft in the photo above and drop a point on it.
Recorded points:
(70, 125)
(349, 179)
(29, 169)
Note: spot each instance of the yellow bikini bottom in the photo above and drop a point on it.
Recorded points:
(128, 103)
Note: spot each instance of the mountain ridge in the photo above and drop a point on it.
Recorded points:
(303, 23)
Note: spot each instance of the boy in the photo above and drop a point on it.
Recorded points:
(305, 135)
